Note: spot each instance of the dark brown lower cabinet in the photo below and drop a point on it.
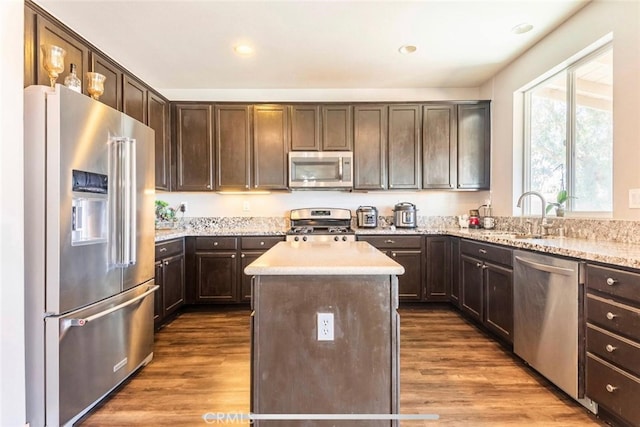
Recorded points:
(246, 258)
(438, 269)
(170, 277)
(216, 277)
(455, 270)
(486, 286)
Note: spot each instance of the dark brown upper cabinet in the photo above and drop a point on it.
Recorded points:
(337, 128)
(270, 147)
(404, 147)
(77, 52)
(370, 147)
(439, 142)
(158, 118)
(112, 95)
(233, 147)
(305, 128)
(194, 147)
(474, 146)
(134, 98)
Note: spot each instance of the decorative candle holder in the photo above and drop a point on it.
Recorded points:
(95, 84)
(53, 61)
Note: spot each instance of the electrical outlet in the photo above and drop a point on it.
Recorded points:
(183, 207)
(246, 206)
(634, 198)
(325, 326)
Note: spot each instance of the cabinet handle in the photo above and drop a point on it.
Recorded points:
(166, 263)
(393, 253)
(479, 264)
(209, 186)
(241, 255)
(246, 186)
(484, 266)
(610, 348)
(261, 243)
(611, 316)
(611, 281)
(163, 249)
(389, 241)
(611, 388)
(482, 251)
(233, 256)
(215, 243)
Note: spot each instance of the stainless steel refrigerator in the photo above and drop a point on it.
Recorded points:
(89, 261)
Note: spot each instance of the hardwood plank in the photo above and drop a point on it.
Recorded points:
(448, 367)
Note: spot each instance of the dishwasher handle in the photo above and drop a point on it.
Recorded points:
(545, 267)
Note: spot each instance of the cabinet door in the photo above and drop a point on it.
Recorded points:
(30, 47)
(77, 52)
(194, 147)
(305, 128)
(370, 147)
(134, 98)
(216, 277)
(158, 117)
(337, 128)
(233, 147)
(471, 276)
(499, 300)
(439, 138)
(246, 258)
(410, 283)
(173, 289)
(112, 95)
(438, 268)
(404, 147)
(157, 297)
(474, 146)
(270, 147)
(455, 271)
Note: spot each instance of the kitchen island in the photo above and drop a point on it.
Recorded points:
(324, 333)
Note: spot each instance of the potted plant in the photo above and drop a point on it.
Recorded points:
(561, 198)
(165, 215)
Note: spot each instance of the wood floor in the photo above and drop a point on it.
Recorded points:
(448, 367)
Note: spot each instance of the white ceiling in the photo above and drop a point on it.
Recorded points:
(188, 44)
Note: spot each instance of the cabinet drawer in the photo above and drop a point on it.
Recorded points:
(215, 243)
(393, 241)
(169, 248)
(614, 282)
(486, 252)
(260, 242)
(615, 349)
(614, 389)
(613, 316)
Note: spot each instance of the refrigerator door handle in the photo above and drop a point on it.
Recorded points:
(83, 321)
(122, 200)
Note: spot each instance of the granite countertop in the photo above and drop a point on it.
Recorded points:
(330, 258)
(608, 252)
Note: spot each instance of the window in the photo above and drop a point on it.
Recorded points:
(569, 135)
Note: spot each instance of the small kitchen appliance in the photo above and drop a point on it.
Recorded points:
(367, 217)
(404, 215)
(320, 225)
(488, 221)
(474, 218)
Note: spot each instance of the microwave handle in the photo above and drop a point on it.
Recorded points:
(340, 172)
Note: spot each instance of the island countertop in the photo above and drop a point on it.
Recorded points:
(326, 258)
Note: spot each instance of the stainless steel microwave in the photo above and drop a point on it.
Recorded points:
(320, 169)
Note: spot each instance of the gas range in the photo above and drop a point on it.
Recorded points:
(320, 225)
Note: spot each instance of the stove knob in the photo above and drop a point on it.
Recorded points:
(336, 238)
(344, 238)
(304, 239)
(295, 239)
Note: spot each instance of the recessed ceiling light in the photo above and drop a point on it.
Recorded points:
(522, 28)
(407, 49)
(243, 49)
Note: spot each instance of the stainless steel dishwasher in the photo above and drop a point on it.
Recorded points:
(548, 294)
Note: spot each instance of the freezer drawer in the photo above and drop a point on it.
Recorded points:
(91, 351)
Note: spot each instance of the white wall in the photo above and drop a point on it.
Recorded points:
(587, 26)
(12, 385)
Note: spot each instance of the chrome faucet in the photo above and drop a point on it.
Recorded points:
(543, 204)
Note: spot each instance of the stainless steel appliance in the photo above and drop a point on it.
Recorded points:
(320, 225)
(404, 215)
(320, 169)
(367, 217)
(89, 241)
(548, 294)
